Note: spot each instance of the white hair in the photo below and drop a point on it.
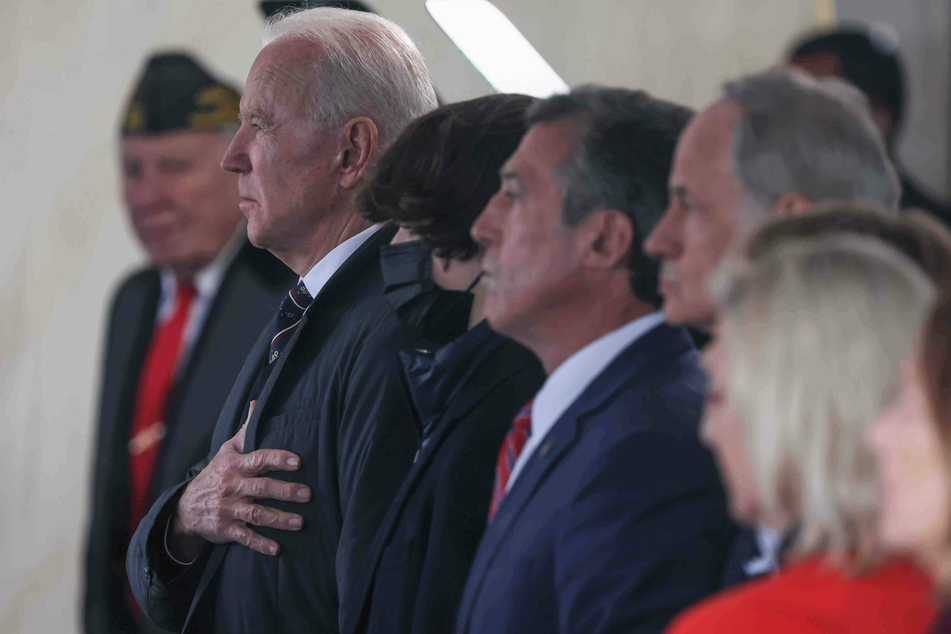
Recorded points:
(367, 66)
(815, 137)
(821, 326)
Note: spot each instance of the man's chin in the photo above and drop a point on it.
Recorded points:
(494, 316)
(163, 254)
(678, 313)
(257, 236)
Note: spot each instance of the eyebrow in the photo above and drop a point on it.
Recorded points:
(510, 176)
(250, 113)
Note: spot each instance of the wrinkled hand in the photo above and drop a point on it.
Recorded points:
(218, 506)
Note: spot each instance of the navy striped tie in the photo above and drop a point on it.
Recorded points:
(292, 311)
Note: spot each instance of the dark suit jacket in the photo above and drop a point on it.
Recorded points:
(415, 570)
(618, 520)
(247, 297)
(335, 398)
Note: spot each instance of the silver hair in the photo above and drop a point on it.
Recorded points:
(815, 137)
(821, 327)
(367, 66)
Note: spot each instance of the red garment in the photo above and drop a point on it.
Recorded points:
(813, 596)
(148, 424)
(511, 449)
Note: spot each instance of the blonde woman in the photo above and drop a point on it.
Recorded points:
(810, 337)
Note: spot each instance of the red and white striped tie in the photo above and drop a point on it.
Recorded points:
(511, 448)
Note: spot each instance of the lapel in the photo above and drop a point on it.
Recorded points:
(244, 303)
(659, 346)
(132, 325)
(497, 367)
(367, 255)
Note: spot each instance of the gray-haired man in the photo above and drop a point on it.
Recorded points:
(229, 550)
(777, 143)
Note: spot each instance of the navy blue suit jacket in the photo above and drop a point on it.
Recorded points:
(618, 520)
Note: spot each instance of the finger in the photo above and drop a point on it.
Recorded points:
(270, 489)
(258, 515)
(265, 460)
(247, 537)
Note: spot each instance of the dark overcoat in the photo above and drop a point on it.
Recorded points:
(415, 570)
(335, 398)
(250, 291)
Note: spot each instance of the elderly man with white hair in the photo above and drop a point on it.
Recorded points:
(317, 433)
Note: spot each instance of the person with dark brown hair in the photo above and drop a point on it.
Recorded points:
(466, 382)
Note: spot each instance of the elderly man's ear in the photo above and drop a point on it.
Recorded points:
(359, 142)
(791, 204)
(605, 239)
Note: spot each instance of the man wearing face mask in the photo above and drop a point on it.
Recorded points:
(466, 383)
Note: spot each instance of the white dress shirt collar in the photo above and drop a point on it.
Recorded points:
(317, 277)
(206, 283)
(572, 378)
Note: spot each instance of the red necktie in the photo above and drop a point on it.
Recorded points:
(148, 424)
(511, 448)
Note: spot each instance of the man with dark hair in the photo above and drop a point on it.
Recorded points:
(180, 328)
(607, 513)
(871, 62)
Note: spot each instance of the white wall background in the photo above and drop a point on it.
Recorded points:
(65, 72)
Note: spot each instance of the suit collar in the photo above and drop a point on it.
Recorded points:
(660, 346)
(433, 377)
(366, 255)
(317, 277)
(570, 379)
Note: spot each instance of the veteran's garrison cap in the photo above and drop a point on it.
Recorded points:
(175, 93)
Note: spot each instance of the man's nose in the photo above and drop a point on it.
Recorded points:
(482, 228)
(236, 159)
(661, 242)
(144, 191)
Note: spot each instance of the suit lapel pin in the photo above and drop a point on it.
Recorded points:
(545, 448)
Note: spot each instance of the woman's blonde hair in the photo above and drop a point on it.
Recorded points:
(821, 325)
